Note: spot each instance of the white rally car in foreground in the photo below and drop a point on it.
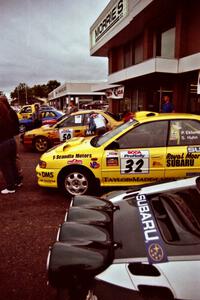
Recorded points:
(134, 244)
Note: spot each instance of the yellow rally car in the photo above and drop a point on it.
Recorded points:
(145, 150)
(26, 111)
(73, 125)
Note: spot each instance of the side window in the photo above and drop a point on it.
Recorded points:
(149, 135)
(72, 121)
(184, 132)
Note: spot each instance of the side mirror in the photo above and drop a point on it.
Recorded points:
(113, 146)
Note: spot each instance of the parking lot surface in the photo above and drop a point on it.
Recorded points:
(29, 224)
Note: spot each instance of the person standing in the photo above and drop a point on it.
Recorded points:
(9, 125)
(100, 124)
(37, 117)
(167, 106)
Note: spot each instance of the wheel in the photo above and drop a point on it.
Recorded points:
(75, 294)
(77, 182)
(22, 128)
(41, 144)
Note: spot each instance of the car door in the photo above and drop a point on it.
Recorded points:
(140, 156)
(72, 126)
(183, 151)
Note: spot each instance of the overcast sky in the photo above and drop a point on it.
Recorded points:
(44, 40)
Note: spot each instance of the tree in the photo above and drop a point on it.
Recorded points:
(52, 85)
(22, 93)
(25, 94)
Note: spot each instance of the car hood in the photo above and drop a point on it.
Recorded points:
(74, 143)
(95, 233)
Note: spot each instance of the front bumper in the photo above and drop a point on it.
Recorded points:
(47, 177)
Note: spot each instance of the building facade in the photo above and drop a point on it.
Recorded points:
(77, 92)
(153, 49)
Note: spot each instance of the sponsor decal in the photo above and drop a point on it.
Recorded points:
(66, 156)
(181, 160)
(111, 154)
(134, 162)
(154, 245)
(94, 165)
(83, 155)
(46, 174)
(157, 164)
(112, 162)
(193, 149)
(133, 179)
(193, 174)
(74, 161)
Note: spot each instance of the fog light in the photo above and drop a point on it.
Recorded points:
(42, 164)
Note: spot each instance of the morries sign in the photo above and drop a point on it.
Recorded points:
(115, 14)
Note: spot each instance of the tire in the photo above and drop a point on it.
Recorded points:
(75, 294)
(41, 144)
(77, 181)
(22, 128)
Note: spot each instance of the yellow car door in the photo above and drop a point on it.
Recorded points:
(70, 127)
(183, 151)
(136, 157)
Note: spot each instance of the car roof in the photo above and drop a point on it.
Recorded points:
(165, 116)
(87, 111)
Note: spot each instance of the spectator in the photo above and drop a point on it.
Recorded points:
(167, 106)
(100, 123)
(72, 108)
(9, 125)
(127, 116)
(37, 117)
(91, 123)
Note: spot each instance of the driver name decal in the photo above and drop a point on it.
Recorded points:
(154, 245)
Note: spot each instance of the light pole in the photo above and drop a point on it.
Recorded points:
(26, 94)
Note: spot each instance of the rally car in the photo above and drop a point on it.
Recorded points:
(143, 245)
(75, 124)
(49, 116)
(142, 151)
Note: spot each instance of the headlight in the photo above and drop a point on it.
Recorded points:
(42, 164)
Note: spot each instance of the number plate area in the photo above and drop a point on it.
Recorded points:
(134, 162)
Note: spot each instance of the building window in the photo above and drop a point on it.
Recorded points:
(168, 43)
(127, 55)
(138, 50)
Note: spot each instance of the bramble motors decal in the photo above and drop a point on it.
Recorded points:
(154, 245)
(181, 160)
(134, 162)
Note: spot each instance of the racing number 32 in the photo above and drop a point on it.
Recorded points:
(134, 167)
(134, 162)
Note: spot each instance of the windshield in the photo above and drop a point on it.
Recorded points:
(178, 215)
(99, 141)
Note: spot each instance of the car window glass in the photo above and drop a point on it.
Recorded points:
(76, 120)
(26, 110)
(184, 132)
(152, 134)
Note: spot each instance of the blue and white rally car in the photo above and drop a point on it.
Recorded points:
(134, 244)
